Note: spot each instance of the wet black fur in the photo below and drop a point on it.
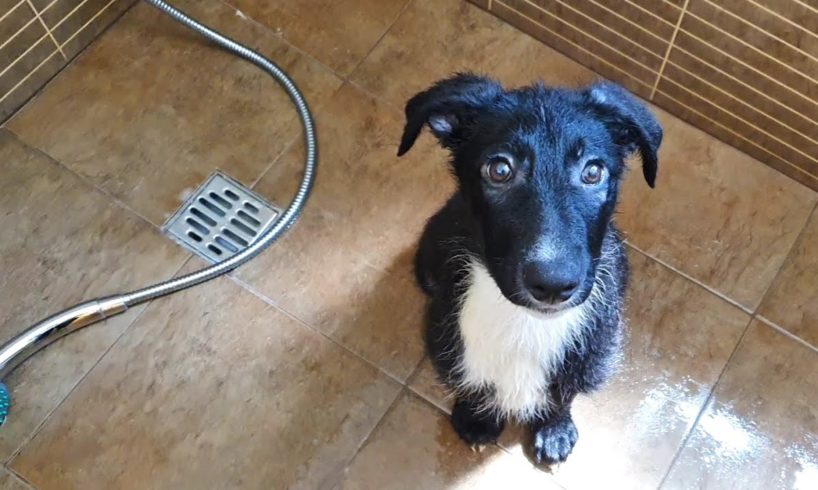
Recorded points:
(550, 132)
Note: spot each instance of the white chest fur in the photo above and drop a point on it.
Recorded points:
(511, 348)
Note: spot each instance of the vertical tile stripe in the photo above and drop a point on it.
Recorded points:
(752, 43)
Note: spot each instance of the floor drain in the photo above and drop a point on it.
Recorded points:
(220, 219)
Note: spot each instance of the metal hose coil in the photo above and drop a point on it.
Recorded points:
(71, 319)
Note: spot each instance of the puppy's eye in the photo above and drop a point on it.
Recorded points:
(593, 173)
(498, 170)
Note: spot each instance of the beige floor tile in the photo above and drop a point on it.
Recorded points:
(761, 429)
(9, 481)
(680, 337)
(346, 268)
(382, 201)
(63, 242)
(215, 388)
(151, 109)
(212, 388)
(314, 275)
(339, 33)
(792, 301)
(418, 51)
(715, 214)
(425, 383)
(415, 447)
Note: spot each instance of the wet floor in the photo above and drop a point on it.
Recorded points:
(305, 369)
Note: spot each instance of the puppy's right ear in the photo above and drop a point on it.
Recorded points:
(449, 107)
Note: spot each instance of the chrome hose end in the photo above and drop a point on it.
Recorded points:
(20, 348)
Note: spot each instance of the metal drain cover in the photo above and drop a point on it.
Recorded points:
(220, 219)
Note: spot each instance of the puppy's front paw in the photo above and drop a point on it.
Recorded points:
(554, 440)
(474, 428)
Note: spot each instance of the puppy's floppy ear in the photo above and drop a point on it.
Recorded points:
(631, 123)
(449, 108)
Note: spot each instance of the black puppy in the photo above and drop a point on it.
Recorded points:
(525, 269)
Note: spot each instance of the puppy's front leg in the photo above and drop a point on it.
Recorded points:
(474, 425)
(554, 435)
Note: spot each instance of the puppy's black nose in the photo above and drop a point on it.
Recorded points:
(552, 282)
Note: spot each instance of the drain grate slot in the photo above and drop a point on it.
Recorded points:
(220, 219)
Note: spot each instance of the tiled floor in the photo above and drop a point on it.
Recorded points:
(305, 368)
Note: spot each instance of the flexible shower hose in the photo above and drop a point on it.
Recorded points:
(47, 331)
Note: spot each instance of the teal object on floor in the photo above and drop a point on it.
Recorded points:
(5, 401)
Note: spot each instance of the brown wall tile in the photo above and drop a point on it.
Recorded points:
(744, 70)
(787, 107)
(692, 87)
(30, 55)
(744, 143)
(757, 133)
(627, 20)
(775, 62)
(66, 18)
(771, 83)
(599, 24)
(585, 49)
(89, 28)
(23, 90)
(667, 11)
(31, 58)
(770, 27)
(798, 12)
(18, 29)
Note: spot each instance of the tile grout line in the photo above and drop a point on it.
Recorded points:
(294, 141)
(379, 98)
(20, 477)
(690, 278)
(795, 244)
(344, 78)
(391, 408)
(291, 144)
(269, 301)
(689, 434)
(786, 333)
(704, 406)
(377, 43)
(670, 45)
(754, 316)
(279, 37)
(447, 398)
(33, 435)
(85, 180)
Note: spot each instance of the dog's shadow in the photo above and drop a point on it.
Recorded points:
(381, 321)
(386, 328)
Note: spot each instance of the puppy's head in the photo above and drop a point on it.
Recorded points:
(541, 169)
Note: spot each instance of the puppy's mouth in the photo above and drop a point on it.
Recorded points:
(548, 311)
(545, 310)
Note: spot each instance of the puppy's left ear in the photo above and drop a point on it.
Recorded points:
(632, 125)
(449, 108)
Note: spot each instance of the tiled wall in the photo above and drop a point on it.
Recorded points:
(745, 71)
(39, 37)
